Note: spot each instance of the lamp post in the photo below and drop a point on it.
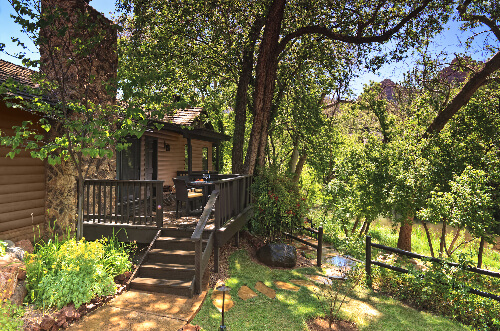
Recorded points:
(223, 288)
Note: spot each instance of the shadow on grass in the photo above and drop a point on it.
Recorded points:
(290, 310)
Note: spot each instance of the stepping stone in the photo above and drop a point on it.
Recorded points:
(320, 279)
(217, 301)
(306, 283)
(267, 291)
(246, 293)
(286, 286)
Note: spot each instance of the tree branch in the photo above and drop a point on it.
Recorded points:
(462, 10)
(463, 97)
(357, 40)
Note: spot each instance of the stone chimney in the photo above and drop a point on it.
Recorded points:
(87, 72)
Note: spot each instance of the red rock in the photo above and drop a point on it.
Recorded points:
(190, 327)
(47, 323)
(120, 278)
(69, 313)
(33, 327)
(61, 320)
(25, 245)
(21, 275)
(8, 282)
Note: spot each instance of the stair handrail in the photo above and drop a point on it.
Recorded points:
(198, 231)
(201, 256)
(142, 259)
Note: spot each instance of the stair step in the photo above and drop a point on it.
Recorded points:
(171, 256)
(176, 287)
(166, 271)
(176, 243)
(181, 233)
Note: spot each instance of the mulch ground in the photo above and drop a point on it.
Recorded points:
(320, 324)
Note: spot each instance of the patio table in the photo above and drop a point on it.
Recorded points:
(207, 186)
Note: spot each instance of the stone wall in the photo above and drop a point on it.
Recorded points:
(87, 76)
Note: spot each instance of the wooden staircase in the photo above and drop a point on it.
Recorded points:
(168, 266)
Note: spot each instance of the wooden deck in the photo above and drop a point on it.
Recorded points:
(137, 211)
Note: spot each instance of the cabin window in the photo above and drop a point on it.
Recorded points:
(128, 161)
(204, 159)
(186, 158)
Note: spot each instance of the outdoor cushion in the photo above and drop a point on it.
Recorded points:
(198, 190)
(194, 195)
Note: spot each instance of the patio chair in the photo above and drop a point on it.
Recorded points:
(183, 195)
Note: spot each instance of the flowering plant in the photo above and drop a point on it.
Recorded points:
(279, 205)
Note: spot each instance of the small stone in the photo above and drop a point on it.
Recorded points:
(320, 279)
(267, 291)
(286, 286)
(69, 313)
(47, 323)
(21, 275)
(25, 245)
(246, 293)
(61, 321)
(190, 327)
(217, 300)
(120, 278)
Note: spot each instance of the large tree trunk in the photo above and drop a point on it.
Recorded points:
(267, 64)
(240, 107)
(404, 240)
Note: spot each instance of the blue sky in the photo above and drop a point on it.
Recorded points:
(450, 41)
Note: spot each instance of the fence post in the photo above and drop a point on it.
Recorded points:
(159, 202)
(368, 264)
(320, 246)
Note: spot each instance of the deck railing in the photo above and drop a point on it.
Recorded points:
(202, 256)
(135, 202)
(235, 196)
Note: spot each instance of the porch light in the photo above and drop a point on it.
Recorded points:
(223, 288)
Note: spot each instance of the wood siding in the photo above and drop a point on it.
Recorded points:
(172, 161)
(22, 185)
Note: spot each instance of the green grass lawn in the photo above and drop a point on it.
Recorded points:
(290, 310)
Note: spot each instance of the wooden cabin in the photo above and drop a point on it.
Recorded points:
(184, 144)
(22, 179)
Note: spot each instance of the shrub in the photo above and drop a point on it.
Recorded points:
(10, 316)
(74, 271)
(3, 247)
(444, 290)
(278, 204)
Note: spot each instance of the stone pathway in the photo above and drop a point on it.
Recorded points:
(246, 293)
(136, 310)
